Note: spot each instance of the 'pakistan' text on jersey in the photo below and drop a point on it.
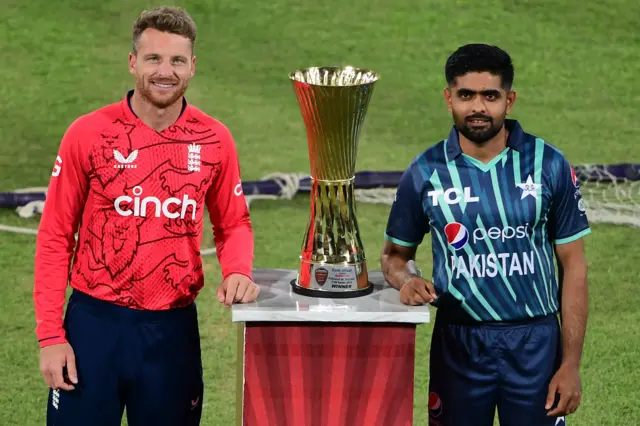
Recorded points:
(493, 225)
(136, 198)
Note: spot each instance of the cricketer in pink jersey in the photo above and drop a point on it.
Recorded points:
(133, 180)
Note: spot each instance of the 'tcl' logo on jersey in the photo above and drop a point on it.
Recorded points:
(457, 235)
(452, 196)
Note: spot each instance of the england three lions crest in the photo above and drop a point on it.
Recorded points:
(193, 158)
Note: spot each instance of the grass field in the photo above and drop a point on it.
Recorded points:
(576, 76)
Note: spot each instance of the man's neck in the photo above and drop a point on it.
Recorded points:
(154, 117)
(488, 150)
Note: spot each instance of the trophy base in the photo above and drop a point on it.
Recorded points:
(332, 281)
(328, 294)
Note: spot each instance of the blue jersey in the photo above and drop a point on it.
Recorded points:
(493, 226)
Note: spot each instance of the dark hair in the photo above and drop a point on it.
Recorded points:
(173, 20)
(480, 58)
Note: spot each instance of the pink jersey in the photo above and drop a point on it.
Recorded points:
(136, 199)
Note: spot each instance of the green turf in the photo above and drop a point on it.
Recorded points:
(576, 77)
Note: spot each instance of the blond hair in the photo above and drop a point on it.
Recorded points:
(173, 20)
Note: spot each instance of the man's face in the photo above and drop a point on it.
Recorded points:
(479, 105)
(162, 66)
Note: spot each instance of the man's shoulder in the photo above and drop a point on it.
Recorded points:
(429, 156)
(422, 165)
(535, 142)
(198, 116)
(436, 151)
(552, 159)
(96, 120)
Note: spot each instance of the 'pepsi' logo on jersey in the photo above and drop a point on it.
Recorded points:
(435, 405)
(457, 235)
(574, 178)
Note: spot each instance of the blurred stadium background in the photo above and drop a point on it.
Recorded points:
(576, 77)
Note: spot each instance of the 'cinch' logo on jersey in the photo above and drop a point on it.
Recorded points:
(457, 235)
(452, 196)
(122, 205)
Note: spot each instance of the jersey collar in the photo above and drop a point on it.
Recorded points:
(515, 140)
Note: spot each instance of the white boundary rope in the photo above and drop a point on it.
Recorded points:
(289, 183)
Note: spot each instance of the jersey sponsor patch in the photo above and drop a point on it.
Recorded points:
(452, 196)
(488, 265)
(171, 208)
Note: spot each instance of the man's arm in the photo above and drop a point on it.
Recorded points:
(574, 305)
(406, 227)
(232, 229)
(399, 271)
(568, 224)
(574, 299)
(55, 242)
(395, 264)
(55, 245)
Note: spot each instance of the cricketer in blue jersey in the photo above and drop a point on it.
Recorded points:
(502, 206)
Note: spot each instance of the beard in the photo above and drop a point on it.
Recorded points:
(478, 135)
(146, 88)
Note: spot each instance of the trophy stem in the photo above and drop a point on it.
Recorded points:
(333, 258)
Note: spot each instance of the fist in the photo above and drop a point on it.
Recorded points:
(417, 291)
(237, 288)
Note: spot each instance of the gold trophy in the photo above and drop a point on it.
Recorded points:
(333, 102)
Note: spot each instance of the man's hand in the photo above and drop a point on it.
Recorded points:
(237, 288)
(566, 382)
(400, 272)
(417, 291)
(53, 360)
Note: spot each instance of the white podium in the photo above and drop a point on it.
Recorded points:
(306, 361)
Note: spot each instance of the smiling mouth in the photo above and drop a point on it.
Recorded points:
(478, 122)
(164, 85)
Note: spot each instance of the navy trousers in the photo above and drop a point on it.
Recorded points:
(146, 361)
(478, 368)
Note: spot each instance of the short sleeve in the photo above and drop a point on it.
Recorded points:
(407, 223)
(567, 217)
